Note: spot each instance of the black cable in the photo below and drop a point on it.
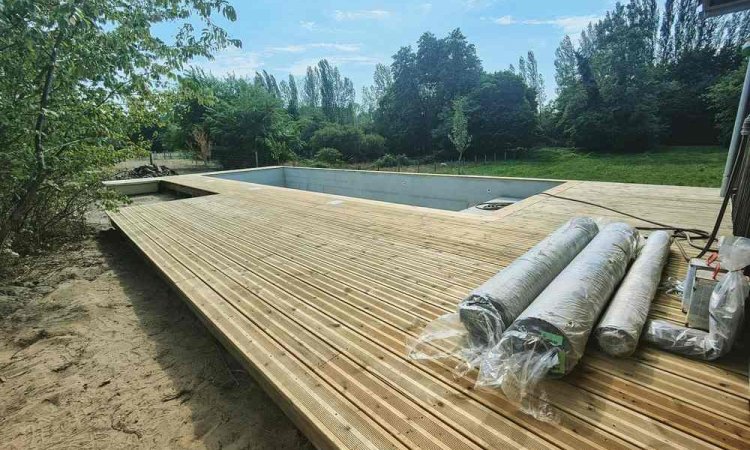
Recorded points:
(679, 232)
(738, 157)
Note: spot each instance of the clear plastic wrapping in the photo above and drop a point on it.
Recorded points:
(726, 310)
(620, 327)
(491, 308)
(550, 336)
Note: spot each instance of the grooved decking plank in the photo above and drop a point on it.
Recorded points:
(317, 299)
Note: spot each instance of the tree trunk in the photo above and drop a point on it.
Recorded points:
(25, 201)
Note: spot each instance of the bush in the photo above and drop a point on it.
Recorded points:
(389, 160)
(372, 146)
(328, 155)
(350, 140)
(346, 138)
(386, 160)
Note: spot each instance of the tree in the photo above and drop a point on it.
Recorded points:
(311, 88)
(293, 97)
(607, 97)
(383, 80)
(400, 117)
(249, 125)
(529, 71)
(723, 97)
(501, 113)
(327, 89)
(78, 83)
(372, 95)
(459, 135)
(415, 111)
(271, 84)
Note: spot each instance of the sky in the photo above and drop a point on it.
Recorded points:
(285, 37)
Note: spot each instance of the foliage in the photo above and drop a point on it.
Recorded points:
(354, 144)
(639, 77)
(250, 124)
(328, 155)
(390, 160)
(372, 146)
(723, 98)
(502, 113)
(77, 87)
(414, 113)
(528, 70)
(683, 107)
(459, 135)
(372, 95)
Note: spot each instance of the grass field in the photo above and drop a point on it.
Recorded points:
(681, 166)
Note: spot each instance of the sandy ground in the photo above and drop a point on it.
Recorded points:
(97, 352)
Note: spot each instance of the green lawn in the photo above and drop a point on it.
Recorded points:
(682, 166)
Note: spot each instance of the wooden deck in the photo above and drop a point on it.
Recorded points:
(317, 294)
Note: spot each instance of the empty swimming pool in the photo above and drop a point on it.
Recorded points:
(449, 192)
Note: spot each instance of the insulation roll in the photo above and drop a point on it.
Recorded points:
(551, 334)
(493, 306)
(621, 325)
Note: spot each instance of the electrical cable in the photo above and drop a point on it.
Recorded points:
(731, 189)
(688, 234)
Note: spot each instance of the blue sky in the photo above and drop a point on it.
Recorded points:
(286, 37)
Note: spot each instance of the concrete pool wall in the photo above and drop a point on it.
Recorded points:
(449, 192)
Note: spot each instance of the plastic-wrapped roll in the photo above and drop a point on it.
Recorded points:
(678, 339)
(488, 310)
(726, 310)
(551, 334)
(621, 325)
(493, 306)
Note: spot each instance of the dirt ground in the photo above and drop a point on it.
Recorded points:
(183, 166)
(97, 352)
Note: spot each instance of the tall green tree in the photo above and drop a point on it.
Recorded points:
(293, 97)
(327, 89)
(417, 107)
(528, 69)
(372, 95)
(501, 113)
(610, 100)
(249, 125)
(723, 97)
(78, 79)
(459, 134)
(400, 115)
(311, 88)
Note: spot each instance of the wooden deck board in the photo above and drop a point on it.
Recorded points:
(317, 299)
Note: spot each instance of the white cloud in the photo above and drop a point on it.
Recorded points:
(300, 67)
(425, 8)
(476, 4)
(309, 26)
(299, 48)
(372, 14)
(231, 61)
(569, 24)
(505, 20)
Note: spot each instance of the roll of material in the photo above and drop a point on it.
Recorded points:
(493, 306)
(726, 310)
(554, 329)
(620, 327)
